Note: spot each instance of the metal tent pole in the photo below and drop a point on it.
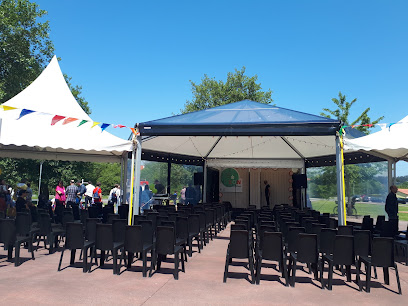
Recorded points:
(138, 163)
(340, 181)
(205, 182)
(39, 181)
(132, 176)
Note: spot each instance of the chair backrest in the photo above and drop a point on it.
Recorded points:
(90, 229)
(317, 229)
(327, 237)
(272, 245)
(182, 227)
(123, 211)
(153, 217)
(161, 218)
(165, 240)
(307, 248)
(7, 231)
(74, 236)
(67, 216)
(383, 252)
(173, 216)
(112, 217)
(293, 238)
(238, 227)
(93, 212)
(201, 220)
(343, 250)
(193, 224)
(262, 229)
(133, 238)
(84, 214)
(23, 223)
(362, 242)
(104, 237)
(379, 222)
(147, 231)
(345, 230)
(368, 223)
(118, 227)
(209, 217)
(44, 222)
(137, 218)
(239, 244)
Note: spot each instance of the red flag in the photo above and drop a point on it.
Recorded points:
(56, 118)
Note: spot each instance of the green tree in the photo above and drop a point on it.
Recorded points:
(342, 113)
(25, 45)
(238, 86)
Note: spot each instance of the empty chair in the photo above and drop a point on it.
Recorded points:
(327, 237)
(362, 246)
(75, 240)
(345, 230)
(166, 245)
(10, 239)
(84, 214)
(194, 233)
(306, 253)
(271, 249)
(343, 254)
(239, 247)
(134, 243)
(137, 218)
(123, 211)
(368, 223)
(292, 241)
(382, 255)
(112, 217)
(104, 242)
(48, 232)
(379, 223)
(93, 212)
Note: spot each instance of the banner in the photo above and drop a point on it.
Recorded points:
(230, 181)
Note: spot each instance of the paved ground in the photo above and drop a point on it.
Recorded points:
(38, 282)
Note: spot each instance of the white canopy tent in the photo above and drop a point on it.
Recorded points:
(390, 143)
(33, 137)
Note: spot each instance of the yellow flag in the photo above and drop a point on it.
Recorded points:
(6, 108)
(94, 124)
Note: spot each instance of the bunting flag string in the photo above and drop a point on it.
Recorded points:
(67, 120)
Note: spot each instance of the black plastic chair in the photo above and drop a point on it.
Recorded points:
(343, 255)
(240, 247)
(10, 239)
(327, 237)
(104, 242)
(203, 228)
(382, 256)
(306, 253)
(112, 217)
(194, 233)
(50, 234)
(93, 212)
(362, 246)
(134, 243)
(75, 240)
(166, 245)
(345, 230)
(271, 249)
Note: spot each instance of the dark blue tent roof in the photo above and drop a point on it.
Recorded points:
(241, 118)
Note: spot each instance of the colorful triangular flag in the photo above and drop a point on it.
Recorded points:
(119, 126)
(56, 119)
(25, 112)
(82, 122)
(104, 126)
(7, 108)
(94, 124)
(69, 120)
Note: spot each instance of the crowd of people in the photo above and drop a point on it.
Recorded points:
(77, 195)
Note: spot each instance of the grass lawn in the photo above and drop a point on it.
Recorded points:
(327, 206)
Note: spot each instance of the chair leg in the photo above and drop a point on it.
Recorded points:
(375, 272)
(368, 278)
(321, 273)
(182, 265)
(348, 272)
(60, 261)
(358, 277)
(176, 265)
(284, 271)
(31, 248)
(386, 275)
(330, 279)
(115, 261)
(294, 264)
(80, 255)
(152, 262)
(85, 260)
(258, 270)
(144, 269)
(72, 261)
(251, 267)
(17, 255)
(227, 259)
(398, 280)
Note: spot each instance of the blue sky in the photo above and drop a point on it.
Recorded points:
(134, 59)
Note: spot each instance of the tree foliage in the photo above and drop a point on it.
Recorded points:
(342, 113)
(25, 45)
(238, 86)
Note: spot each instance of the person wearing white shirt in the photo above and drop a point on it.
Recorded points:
(89, 194)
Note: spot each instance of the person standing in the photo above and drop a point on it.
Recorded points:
(190, 195)
(113, 196)
(146, 197)
(391, 203)
(183, 195)
(71, 193)
(159, 187)
(81, 192)
(97, 195)
(60, 196)
(29, 196)
(89, 194)
(267, 192)
(3, 195)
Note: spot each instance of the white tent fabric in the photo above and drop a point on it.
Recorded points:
(33, 137)
(256, 151)
(391, 142)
